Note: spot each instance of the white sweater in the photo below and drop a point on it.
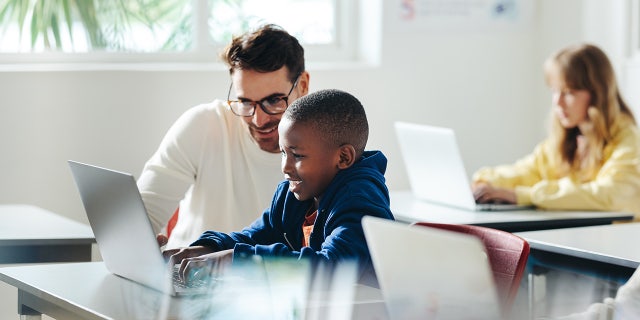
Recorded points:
(211, 167)
(626, 304)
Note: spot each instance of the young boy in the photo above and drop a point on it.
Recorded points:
(331, 183)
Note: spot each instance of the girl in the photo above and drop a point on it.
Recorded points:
(591, 159)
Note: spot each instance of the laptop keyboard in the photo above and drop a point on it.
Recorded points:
(179, 283)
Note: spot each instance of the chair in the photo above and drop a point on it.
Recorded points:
(507, 255)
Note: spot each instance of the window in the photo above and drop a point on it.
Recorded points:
(631, 67)
(634, 38)
(164, 30)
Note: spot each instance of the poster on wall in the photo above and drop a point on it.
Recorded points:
(460, 15)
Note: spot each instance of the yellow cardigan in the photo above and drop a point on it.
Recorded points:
(616, 186)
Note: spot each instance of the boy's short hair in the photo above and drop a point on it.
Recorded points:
(338, 117)
(265, 49)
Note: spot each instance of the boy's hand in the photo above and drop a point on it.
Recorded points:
(206, 265)
(175, 256)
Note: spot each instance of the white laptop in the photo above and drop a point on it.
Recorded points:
(436, 170)
(428, 273)
(122, 228)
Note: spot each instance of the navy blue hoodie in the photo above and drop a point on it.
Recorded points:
(337, 233)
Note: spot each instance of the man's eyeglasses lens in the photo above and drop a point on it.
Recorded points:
(272, 105)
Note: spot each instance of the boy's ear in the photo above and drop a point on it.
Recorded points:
(347, 156)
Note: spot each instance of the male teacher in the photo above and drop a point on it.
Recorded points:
(219, 162)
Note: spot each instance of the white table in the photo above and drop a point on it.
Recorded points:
(611, 246)
(88, 291)
(31, 234)
(605, 252)
(407, 208)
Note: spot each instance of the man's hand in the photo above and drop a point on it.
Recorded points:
(162, 240)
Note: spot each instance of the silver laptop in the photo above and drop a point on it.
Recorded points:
(436, 170)
(428, 273)
(122, 228)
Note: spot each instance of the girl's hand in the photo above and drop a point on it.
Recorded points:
(485, 193)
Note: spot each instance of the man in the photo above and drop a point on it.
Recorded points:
(219, 162)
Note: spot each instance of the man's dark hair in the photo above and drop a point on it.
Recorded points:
(265, 49)
(337, 116)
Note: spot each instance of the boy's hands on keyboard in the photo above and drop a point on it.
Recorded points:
(198, 262)
(205, 266)
(178, 254)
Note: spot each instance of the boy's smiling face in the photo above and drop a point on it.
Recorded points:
(308, 161)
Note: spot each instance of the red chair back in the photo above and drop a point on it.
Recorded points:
(507, 255)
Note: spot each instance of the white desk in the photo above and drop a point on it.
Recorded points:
(31, 234)
(605, 254)
(614, 246)
(407, 208)
(89, 291)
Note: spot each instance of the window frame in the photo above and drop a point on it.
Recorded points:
(634, 33)
(630, 46)
(205, 52)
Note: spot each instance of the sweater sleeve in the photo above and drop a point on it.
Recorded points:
(534, 179)
(616, 186)
(268, 228)
(345, 239)
(626, 304)
(524, 172)
(340, 238)
(259, 232)
(627, 300)
(597, 311)
(172, 169)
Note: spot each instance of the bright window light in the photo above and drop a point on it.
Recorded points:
(86, 27)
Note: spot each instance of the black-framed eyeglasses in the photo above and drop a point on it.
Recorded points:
(270, 105)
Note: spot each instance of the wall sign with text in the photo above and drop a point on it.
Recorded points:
(461, 15)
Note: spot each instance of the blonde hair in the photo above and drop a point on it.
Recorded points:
(586, 67)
